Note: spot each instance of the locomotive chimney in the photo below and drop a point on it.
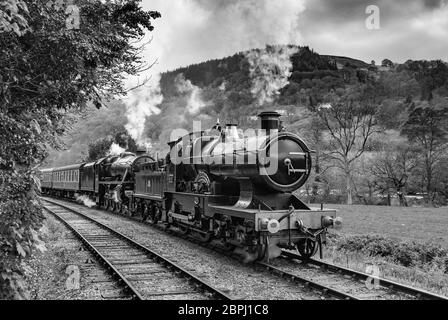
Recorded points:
(269, 120)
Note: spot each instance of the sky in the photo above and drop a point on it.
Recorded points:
(191, 31)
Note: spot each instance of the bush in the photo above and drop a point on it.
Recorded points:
(401, 252)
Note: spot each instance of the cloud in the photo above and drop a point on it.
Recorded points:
(191, 31)
(410, 29)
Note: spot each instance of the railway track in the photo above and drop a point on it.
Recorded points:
(332, 283)
(362, 277)
(141, 273)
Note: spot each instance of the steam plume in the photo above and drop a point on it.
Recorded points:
(115, 149)
(142, 103)
(269, 71)
(192, 92)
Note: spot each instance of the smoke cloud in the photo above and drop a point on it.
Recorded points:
(269, 71)
(192, 92)
(142, 103)
(85, 200)
(116, 150)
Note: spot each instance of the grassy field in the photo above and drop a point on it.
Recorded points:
(406, 225)
(419, 224)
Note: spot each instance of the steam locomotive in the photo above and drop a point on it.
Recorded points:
(216, 184)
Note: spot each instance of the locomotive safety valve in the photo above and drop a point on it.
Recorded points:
(291, 168)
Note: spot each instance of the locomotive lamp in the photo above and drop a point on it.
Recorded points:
(271, 225)
(336, 223)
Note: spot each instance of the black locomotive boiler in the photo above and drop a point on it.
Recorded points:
(222, 185)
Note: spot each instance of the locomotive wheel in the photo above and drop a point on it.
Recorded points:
(183, 229)
(145, 212)
(153, 214)
(262, 251)
(111, 206)
(204, 237)
(228, 246)
(307, 247)
(124, 210)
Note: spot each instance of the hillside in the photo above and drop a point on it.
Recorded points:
(227, 88)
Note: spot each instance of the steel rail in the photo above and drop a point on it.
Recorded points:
(307, 282)
(170, 264)
(129, 288)
(418, 293)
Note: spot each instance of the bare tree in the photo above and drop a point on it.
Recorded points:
(427, 128)
(393, 167)
(349, 118)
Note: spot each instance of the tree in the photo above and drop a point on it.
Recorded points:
(387, 63)
(349, 118)
(392, 167)
(49, 69)
(427, 128)
(101, 147)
